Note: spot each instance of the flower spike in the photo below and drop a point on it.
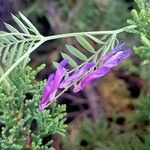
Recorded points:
(52, 85)
(77, 74)
(116, 58)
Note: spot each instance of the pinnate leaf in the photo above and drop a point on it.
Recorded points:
(85, 44)
(95, 39)
(6, 51)
(76, 52)
(55, 64)
(21, 25)
(13, 30)
(30, 25)
(70, 60)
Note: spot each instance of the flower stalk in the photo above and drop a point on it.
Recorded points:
(69, 35)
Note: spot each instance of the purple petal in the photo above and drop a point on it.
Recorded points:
(77, 74)
(52, 85)
(50, 78)
(91, 77)
(46, 92)
(59, 74)
(112, 52)
(63, 63)
(126, 53)
(117, 58)
(118, 48)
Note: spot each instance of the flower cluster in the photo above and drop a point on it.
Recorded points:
(55, 82)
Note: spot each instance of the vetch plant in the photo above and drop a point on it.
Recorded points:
(27, 39)
(17, 80)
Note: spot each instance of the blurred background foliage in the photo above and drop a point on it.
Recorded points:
(62, 16)
(82, 15)
(121, 118)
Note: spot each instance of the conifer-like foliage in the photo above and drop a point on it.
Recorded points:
(141, 19)
(103, 135)
(115, 133)
(23, 125)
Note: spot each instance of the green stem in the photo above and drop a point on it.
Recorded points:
(53, 37)
(68, 35)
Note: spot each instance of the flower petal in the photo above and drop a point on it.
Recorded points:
(59, 74)
(111, 62)
(46, 92)
(77, 74)
(117, 58)
(126, 53)
(91, 77)
(52, 85)
(118, 48)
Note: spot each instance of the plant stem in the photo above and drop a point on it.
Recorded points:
(53, 37)
(68, 35)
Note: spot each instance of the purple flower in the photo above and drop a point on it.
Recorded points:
(91, 77)
(77, 74)
(106, 67)
(117, 58)
(52, 85)
(112, 52)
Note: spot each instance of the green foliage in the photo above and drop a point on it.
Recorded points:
(14, 39)
(70, 60)
(24, 125)
(103, 135)
(143, 108)
(84, 19)
(134, 133)
(76, 52)
(28, 39)
(16, 45)
(85, 44)
(116, 15)
(105, 15)
(142, 20)
(132, 68)
(105, 43)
